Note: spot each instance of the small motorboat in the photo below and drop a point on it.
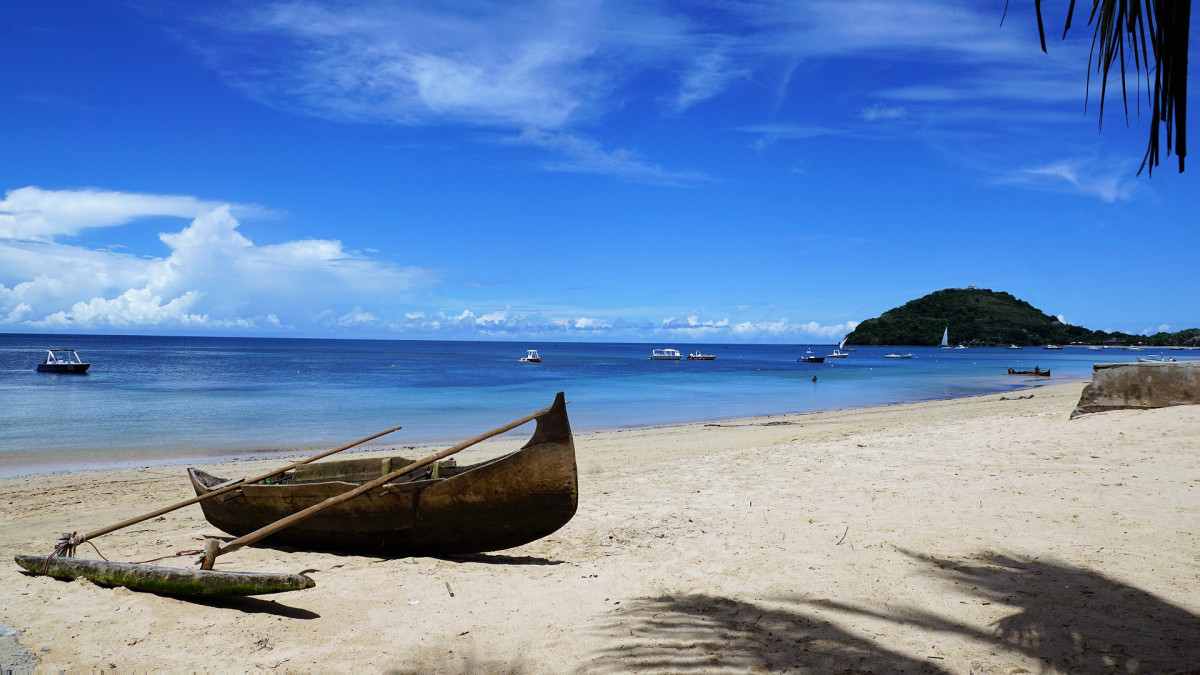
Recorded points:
(890, 355)
(841, 352)
(531, 356)
(1156, 359)
(665, 355)
(1014, 347)
(1036, 371)
(63, 361)
(810, 357)
(698, 356)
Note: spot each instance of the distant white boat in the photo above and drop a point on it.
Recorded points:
(1014, 347)
(909, 355)
(1096, 348)
(665, 355)
(699, 356)
(1156, 359)
(531, 356)
(839, 353)
(1052, 347)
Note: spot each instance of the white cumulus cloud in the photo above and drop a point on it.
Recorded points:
(214, 276)
(36, 214)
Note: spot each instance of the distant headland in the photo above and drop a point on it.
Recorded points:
(978, 317)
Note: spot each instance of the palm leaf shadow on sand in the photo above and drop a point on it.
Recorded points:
(699, 633)
(1072, 619)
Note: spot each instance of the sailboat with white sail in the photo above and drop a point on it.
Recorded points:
(839, 353)
(946, 340)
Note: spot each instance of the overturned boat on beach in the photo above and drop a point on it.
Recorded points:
(439, 509)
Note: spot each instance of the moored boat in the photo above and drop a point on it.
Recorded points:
(665, 355)
(841, 352)
(531, 356)
(810, 357)
(442, 509)
(1036, 371)
(63, 361)
(699, 356)
(891, 355)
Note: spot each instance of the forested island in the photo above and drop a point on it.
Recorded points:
(979, 317)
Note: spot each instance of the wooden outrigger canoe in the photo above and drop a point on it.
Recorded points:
(435, 510)
(164, 580)
(1036, 372)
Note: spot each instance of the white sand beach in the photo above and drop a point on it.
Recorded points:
(986, 534)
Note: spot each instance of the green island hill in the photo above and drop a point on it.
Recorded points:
(978, 317)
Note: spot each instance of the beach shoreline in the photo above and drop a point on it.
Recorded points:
(983, 533)
(85, 460)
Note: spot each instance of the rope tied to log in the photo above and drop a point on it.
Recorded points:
(67, 543)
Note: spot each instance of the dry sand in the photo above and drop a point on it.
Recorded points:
(986, 534)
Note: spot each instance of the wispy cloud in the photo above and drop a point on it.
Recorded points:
(501, 64)
(1108, 182)
(879, 112)
(769, 134)
(581, 155)
(704, 78)
(564, 68)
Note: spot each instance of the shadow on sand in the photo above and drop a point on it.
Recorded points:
(498, 559)
(1070, 619)
(249, 605)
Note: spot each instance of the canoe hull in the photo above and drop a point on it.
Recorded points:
(164, 580)
(491, 506)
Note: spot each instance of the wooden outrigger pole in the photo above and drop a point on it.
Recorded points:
(75, 540)
(62, 564)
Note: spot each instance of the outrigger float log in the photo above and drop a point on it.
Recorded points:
(165, 580)
(208, 582)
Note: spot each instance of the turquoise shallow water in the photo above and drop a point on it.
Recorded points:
(150, 400)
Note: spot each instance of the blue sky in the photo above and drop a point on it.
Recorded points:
(628, 171)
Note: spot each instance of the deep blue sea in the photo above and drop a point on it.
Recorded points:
(155, 400)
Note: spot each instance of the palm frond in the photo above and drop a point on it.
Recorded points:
(1157, 35)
